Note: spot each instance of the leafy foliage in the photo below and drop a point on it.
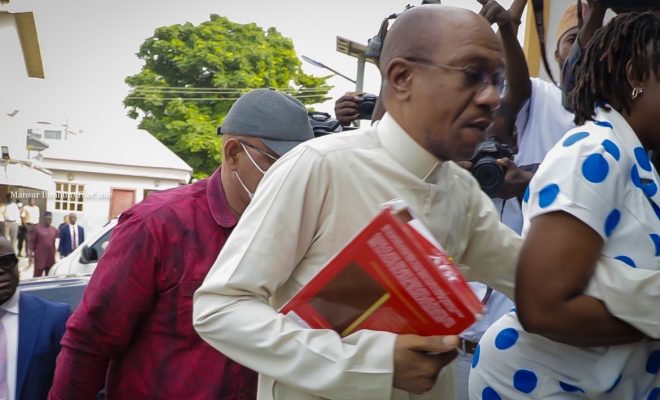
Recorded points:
(192, 74)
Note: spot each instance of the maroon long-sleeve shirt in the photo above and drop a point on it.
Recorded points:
(43, 247)
(135, 319)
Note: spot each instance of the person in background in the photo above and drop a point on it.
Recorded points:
(30, 332)
(346, 109)
(65, 221)
(594, 197)
(594, 18)
(71, 235)
(30, 214)
(3, 217)
(21, 240)
(13, 221)
(540, 120)
(518, 91)
(133, 329)
(43, 245)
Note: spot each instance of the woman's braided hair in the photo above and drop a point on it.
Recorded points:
(602, 74)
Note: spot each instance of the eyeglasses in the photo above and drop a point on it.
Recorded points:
(473, 75)
(8, 262)
(272, 157)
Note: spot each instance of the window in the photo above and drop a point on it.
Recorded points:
(69, 196)
(34, 134)
(57, 135)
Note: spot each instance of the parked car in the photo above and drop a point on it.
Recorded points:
(84, 258)
(67, 290)
(69, 277)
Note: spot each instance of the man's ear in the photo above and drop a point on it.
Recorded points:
(230, 149)
(557, 57)
(399, 76)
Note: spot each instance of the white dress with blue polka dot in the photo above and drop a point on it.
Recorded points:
(600, 174)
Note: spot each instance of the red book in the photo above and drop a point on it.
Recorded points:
(390, 277)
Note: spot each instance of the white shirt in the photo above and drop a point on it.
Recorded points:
(10, 323)
(13, 213)
(307, 207)
(33, 214)
(541, 122)
(73, 230)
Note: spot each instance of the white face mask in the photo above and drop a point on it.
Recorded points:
(250, 194)
(252, 159)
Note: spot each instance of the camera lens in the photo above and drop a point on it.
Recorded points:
(489, 175)
(366, 109)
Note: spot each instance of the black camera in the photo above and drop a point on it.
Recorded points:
(485, 168)
(620, 6)
(366, 104)
(322, 123)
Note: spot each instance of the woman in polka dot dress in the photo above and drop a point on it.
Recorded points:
(595, 195)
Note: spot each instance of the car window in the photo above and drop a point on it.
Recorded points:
(102, 243)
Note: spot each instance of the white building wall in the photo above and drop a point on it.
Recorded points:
(98, 190)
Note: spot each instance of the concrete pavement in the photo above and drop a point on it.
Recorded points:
(23, 268)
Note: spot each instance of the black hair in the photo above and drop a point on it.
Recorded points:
(602, 77)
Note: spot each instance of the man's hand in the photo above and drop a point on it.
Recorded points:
(515, 179)
(495, 13)
(595, 3)
(593, 20)
(419, 359)
(465, 164)
(595, 6)
(346, 109)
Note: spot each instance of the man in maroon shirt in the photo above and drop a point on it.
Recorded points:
(133, 328)
(43, 245)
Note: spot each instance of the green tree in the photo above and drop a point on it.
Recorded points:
(192, 74)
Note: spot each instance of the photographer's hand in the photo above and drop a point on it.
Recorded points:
(592, 22)
(516, 180)
(495, 13)
(517, 74)
(465, 164)
(346, 109)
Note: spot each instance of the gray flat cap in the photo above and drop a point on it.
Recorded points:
(279, 120)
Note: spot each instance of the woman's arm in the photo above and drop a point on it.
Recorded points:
(556, 263)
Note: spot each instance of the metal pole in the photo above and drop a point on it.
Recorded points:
(321, 65)
(359, 81)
